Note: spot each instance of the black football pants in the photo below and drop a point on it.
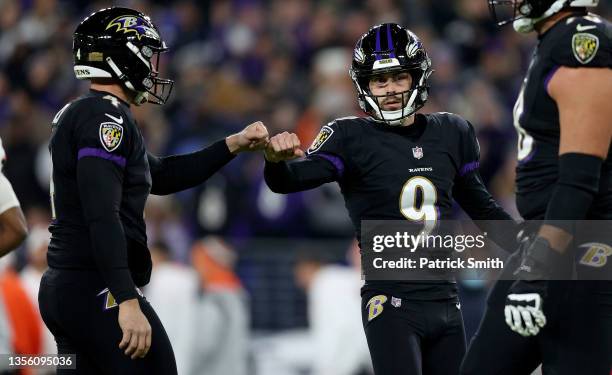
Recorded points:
(575, 340)
(413, 337)
(84, 323)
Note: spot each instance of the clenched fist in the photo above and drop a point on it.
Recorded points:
(283, 146)
(253, 137)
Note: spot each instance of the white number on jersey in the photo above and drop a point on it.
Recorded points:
(525, 141)
(426, 211)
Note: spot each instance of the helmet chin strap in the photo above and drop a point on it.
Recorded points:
(393, 118)
(140, 97)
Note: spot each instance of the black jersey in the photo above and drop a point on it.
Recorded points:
(396, 173)
(576, 41)
(383, 168)
(97, 125)
(102, 176)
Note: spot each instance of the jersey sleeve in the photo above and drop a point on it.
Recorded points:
(324, 162)
(102, 148)
(171, 174)
(328, 145)
(101, 133)
(584, 42)
(469, 149)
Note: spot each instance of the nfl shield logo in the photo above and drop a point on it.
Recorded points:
(417, 152)
(396, 302)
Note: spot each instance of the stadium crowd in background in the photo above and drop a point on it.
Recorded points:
(284, 62)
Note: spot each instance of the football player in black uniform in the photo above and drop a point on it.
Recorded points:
(395, 164)
(563, 118)
(102, 175)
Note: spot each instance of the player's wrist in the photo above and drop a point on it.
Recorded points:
(233, 143)
(541, 262)
(271, 156)
(130, 304)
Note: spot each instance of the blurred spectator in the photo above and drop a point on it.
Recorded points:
(173, 292)
(164, 225)
(222, 321)
(5, 335)
(22, 316)
(31, 274)
(334, 314)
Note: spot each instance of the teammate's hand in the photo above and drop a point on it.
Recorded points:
(136, 329)
(283, 146)
(524, 304)
(523, 311)
(253, 137)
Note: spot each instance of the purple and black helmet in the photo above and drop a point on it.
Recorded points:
(388, 48)
(122, 44)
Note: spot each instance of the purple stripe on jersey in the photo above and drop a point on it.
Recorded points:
(378, 57)
(549, 77)
(467, 168)
(336, 161)
(100, 153)
(390, 41)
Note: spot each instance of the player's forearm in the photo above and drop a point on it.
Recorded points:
(290, 177)
(13, 230)
(572, 197)
(172, 174)
(472, 195)
(9, 240)
(110, 254)
(100, 193)
(280, 179)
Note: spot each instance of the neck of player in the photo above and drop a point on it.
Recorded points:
(545, 25)
(111, 88)
(408, 120)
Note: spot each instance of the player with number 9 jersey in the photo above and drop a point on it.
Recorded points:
(397, 164)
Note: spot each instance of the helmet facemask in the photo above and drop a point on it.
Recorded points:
(409, 103)
(152, 88)
(144, 82)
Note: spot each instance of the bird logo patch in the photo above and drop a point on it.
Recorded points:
(111, 135)
(325, 133)
(133, 24)
(375, 306)
(585, 46)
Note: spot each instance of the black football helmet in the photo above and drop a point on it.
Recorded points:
(389, 48)
(526, 13)
(122, 44)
